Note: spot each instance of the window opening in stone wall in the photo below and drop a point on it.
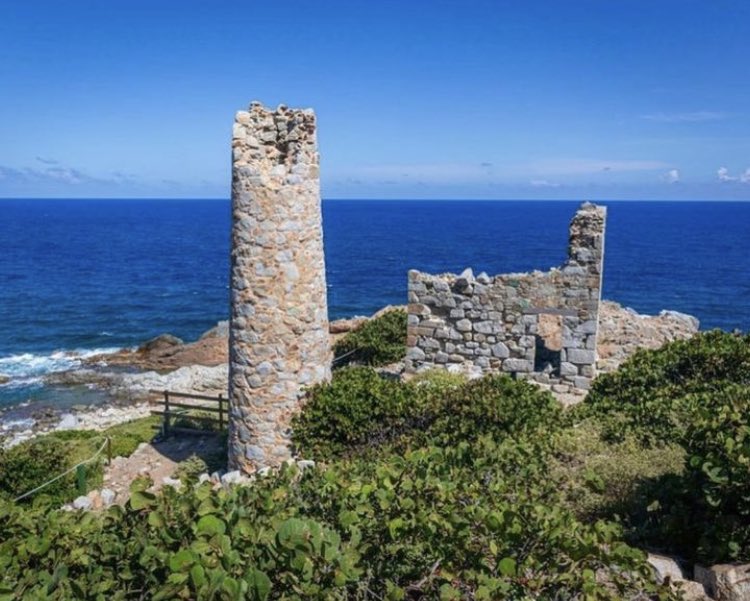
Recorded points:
(548, 344)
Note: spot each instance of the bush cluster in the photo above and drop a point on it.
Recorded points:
(436, 489)
(379, 341)
(467, 521)
(694, 394)
(651, 394)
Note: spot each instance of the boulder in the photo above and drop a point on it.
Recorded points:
(83, 503)
(161, 342)
(107, 496)
(96, 499)
(665, 568)
(235, 477)
(725, 582)
(220, 330)
(173, 482)
(68, 421)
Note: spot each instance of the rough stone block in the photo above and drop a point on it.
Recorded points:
(415, 354)
(518, 365)
(581, 356)
(486, 327)
(568, 369)
(587, 327)
(500, 351)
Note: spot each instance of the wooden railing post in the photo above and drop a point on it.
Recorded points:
(166, 414)
(81, 479)
(221, 412)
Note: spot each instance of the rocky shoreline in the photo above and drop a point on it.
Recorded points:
(168, 363)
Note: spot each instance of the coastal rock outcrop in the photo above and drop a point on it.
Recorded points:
(167, 352)
(622, 331)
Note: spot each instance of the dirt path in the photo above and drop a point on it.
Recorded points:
(159, 460)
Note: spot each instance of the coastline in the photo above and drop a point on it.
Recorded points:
(123, 377)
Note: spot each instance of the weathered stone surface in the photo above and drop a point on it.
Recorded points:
(518, 365)
(568, 369)
(83, 502)
(665, 568)
(581, 356)
(500, 350)
(279, 319)
(107, 496)
(725, 582)
(622, 332)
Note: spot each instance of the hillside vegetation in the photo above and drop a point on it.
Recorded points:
(437, 489)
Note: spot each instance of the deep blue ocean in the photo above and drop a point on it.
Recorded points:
(83, 275)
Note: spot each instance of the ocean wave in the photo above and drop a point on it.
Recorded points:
(28, 368)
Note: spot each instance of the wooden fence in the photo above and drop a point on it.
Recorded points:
(178, 405)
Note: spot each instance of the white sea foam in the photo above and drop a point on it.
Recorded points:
(29, 368)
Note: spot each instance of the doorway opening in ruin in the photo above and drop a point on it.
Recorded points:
(548, 344)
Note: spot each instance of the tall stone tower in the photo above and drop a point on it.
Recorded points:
(279, 316)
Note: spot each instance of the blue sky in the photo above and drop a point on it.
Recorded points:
(600, 99)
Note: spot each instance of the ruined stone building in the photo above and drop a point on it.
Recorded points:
(540, 326)
(533, 325)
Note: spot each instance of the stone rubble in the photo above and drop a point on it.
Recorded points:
(102, 499)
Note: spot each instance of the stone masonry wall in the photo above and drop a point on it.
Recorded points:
(279, 316)
(540, 326)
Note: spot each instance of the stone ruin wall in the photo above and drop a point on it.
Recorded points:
(279, 316)
(539, 326)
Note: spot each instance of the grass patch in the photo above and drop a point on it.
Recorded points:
(33, 462)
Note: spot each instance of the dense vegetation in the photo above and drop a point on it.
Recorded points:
(34, 462)
(694, 394)
(439, 489)
(379, 341)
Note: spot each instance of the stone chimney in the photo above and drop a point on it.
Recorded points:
(279, 316)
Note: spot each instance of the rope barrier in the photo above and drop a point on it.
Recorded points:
(65, 473)
(344, 356)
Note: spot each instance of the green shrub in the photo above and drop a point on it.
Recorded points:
(495, 405)
(32, 463)
(718, 442)
(649, 394)
(36, 461)
(189, 469)
(360, 409)
(356, 408)
(694, 394)
(466, 521)
(379, 341)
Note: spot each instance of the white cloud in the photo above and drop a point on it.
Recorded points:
(591, 166)
(543, 183)
(689, 117)
(672, 176)
(723, 174)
